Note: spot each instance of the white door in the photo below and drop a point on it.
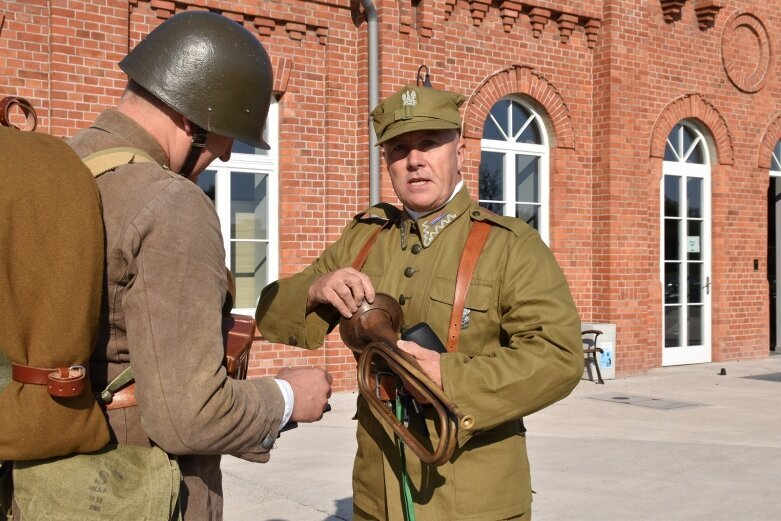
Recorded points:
(686, 248)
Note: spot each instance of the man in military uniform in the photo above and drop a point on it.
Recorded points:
(519, 347)
(197, 82)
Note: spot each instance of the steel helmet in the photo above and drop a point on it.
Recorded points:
(209, 69)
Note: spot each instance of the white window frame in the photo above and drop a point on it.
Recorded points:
(250, 163)
(511, 149)
(686, 354)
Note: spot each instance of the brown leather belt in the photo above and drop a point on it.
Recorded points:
(125, 397)
(384, 385)
(64, 382)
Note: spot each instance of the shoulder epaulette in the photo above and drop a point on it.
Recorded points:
(379, 213)
(512, 224)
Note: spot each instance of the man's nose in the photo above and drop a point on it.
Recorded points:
(225, 157)
(414, 158)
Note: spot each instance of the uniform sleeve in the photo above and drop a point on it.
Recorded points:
(540, 359)
(176, 286)
(281, 313)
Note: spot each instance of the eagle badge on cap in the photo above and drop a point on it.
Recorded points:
(409, 98)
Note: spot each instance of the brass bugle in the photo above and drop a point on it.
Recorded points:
(372, 333)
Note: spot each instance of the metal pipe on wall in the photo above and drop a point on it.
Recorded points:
(374, 152)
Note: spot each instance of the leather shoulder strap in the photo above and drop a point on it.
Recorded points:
(466, 267)
(360, 259)
(103, 161)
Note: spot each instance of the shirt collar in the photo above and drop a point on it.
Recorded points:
(431, 224)
(120, 125)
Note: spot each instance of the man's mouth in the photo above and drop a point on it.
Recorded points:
(417, 181)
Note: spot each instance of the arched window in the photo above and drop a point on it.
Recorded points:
(686, 248)
(246, 196)
(514, 164)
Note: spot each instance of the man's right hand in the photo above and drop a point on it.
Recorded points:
(311, 390)
(345, 289)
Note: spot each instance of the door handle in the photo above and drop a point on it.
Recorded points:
(707, 285)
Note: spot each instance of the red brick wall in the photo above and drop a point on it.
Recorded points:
(611, 77)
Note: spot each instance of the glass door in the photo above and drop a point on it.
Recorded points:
(686, 248)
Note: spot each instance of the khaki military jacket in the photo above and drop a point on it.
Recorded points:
(163, 296)
(519, 351)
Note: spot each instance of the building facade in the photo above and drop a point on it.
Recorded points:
(640, 138)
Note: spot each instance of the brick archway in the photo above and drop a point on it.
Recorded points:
(693, 106)
(770, 137)
(519, 79)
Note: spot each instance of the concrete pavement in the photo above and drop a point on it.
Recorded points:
(676, 444)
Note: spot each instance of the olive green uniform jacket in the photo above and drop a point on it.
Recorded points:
(519, 351)
(161, 313)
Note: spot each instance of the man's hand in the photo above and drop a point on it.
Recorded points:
(345, 289)
(428, 361)
(311, 390)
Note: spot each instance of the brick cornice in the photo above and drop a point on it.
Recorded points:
(262, 19)
(693, 106)
(770, 137)
(519, 79)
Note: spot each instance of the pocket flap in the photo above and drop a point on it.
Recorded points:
(478, 296)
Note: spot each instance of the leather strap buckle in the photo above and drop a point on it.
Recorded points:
(64, 382)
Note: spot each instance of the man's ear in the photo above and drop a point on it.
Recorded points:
(461, 153)
(187, 125)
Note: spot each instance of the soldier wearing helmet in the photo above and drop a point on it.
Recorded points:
(196, 83)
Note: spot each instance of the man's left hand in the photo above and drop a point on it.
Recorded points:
(426, 358)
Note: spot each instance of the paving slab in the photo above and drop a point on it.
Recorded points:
(681, 443)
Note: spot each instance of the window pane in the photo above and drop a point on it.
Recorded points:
(529, 213)
(206, 182)
(694, 195)
(672, 196)
(499, 112)
(519, 116)
(249, 264)
(775, 163)
(695, 282)
(673, 149)
(530, 134)
(671, 241)
(249, 205)
(694, 245)
(696, 156)
(491, 183)
(695, 325)
(669, 154)
(527, 179)
(497, 208)
(672, 278)
(672, 326)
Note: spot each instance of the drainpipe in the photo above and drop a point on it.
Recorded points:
(374, 152)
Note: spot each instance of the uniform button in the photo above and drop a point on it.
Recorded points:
(267, 443)
(409, 272)
(403, 299)
(416, 249)
(476, 213)
(292, 341)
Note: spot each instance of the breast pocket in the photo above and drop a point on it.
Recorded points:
(477, 323)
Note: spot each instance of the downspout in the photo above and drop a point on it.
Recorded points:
(374, 152)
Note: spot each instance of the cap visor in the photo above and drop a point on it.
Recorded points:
(413, 125)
